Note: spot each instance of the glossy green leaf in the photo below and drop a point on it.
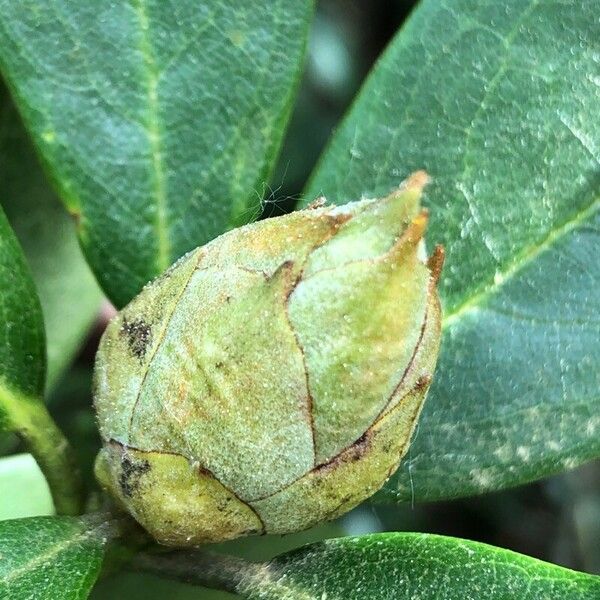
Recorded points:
(414, 566)
(22, 350)
(68, 292)
(25, 492)
(498, 101)
(50, 558)
(158, 120)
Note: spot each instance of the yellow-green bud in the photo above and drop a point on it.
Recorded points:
(271, 379)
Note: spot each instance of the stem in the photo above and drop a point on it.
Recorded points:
(29, 418)
(209, 569)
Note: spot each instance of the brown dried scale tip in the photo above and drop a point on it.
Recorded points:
(274, 378)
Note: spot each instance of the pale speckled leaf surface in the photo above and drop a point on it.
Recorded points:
(68, 292)
(498, 102)
(159, 121)
(49, 558)
(395, 566)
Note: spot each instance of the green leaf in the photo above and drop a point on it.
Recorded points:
(25, 491)
(158, 120)
(53, 558)
(68, 292)
(417, 566)
(22, 350)
(22, 371)
(498, 101)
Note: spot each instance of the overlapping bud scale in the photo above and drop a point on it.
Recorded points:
(271, 379)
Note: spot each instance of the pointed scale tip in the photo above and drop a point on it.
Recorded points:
(416, 181)
(410, 190)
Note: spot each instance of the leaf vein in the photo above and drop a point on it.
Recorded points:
(153, 132)
(526, 257)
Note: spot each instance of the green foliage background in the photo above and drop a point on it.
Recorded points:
(507, 251)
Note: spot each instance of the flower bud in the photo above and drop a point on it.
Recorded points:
(271, 379)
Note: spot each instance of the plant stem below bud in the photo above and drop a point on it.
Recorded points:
(29, 418)
(209, 569)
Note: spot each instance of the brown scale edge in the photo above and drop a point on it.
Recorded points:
(435, 263)
(359, 446)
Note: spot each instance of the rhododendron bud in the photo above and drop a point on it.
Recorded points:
(272, 378)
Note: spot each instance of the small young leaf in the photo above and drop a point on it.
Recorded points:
(158, 120)
(22, 350)
(68, 293)
(25, 492)
(50, 558)
(22, 371)
(390, 566)
(498, 102)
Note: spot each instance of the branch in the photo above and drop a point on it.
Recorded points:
(209, 569)
(29, 418)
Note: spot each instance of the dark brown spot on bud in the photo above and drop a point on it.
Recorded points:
(131, 472)
(139, 336)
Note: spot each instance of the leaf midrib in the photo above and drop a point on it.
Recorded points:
(525, 257)
(529, 254)
(153, 132)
